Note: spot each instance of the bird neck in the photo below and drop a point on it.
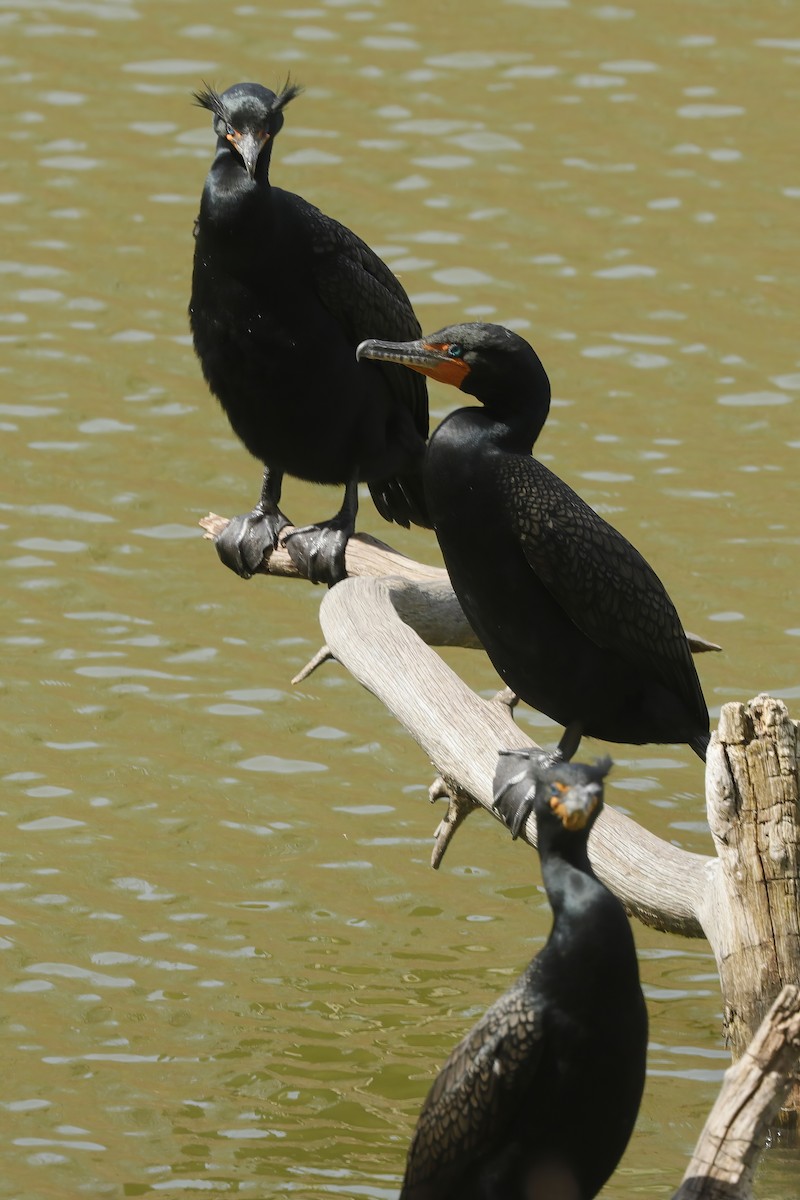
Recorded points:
(515, 395)
(590, 942)
(573, 889)
(517, 414)
(231, 197)
(516, 428)
(491, 425)
(565, 854)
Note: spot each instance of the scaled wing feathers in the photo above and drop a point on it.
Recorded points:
(468, 1105)
(596, 575)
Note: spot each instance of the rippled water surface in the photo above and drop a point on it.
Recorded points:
(228, 966)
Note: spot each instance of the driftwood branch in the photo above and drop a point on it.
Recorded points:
(752, 1092)
(462, 735)
(381, 624)
(744, 899)
(429, 602)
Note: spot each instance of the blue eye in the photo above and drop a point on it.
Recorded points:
(455, 351)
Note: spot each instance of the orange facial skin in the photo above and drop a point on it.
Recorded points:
(235, 139)
(447, 370)
(571, 818)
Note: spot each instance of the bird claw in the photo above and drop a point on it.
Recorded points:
(318, 551)
(246, 539)
(550, 758)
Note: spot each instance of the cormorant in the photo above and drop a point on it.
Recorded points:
(539, 1100)
(281, 296)
(572, 617)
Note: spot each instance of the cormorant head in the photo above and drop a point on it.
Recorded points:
(565, 796)
(488, 361)
(569, 795)
(246, 118)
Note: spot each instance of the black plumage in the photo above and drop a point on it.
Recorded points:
(573, 618)
(281, 296)
(539, 1100)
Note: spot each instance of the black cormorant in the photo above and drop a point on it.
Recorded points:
(540, 1098)
(281, 296)
(572, 617)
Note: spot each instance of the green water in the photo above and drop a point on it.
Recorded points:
(228, 966)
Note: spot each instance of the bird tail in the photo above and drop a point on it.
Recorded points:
(401, 500)
(700, 744)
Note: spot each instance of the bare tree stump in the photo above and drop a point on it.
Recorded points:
(752, 909)
(725, 1156)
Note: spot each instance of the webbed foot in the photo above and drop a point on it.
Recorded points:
(318, 550)
(515, 780)
(245, 540)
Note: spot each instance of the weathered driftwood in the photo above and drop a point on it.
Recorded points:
(752, 1092)
(431, 606)
(462, 735)
(744, 899)
(751, 910)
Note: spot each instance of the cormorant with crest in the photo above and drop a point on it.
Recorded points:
(281, 296)
(539, 1100)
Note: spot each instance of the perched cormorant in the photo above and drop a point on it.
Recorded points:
(572, 617)
(281, 296)
(540, 1098)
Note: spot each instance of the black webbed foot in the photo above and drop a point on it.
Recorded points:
(318, 550)
(515, 784)
(245, 540)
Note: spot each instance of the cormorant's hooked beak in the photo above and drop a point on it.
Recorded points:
(249, 146)
(574, 805)
(425, 357)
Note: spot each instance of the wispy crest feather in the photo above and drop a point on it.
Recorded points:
(208, 98)
(287, 93)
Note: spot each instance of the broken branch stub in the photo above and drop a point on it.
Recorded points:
(724, 1159)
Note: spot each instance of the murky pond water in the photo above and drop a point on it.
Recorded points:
(228, 966)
